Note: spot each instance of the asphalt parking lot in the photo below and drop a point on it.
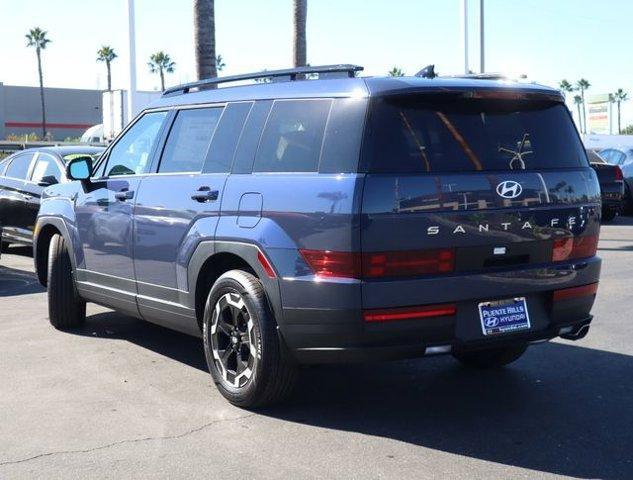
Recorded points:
(121, 398)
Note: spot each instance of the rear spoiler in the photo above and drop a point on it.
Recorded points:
(492, 93)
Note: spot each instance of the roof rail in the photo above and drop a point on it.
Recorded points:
(488, 76)
(293, 73)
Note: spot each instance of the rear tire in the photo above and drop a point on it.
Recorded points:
(241, 343)
(65, 308)
(490, 358)
(608, 214)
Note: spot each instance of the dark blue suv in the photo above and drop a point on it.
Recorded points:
(305, 220)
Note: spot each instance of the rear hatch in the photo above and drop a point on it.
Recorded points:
(465, 191)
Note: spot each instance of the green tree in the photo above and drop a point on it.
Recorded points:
(219, 63)
(619, 96)
(161, 63)
(396, 72)
(582, 85)
(204, 38)
(106, 54)
(628, 130)
(565, 86)
(37, 39)
(578, 102)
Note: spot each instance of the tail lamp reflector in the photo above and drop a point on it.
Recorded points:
(576, 292)
(409, 313)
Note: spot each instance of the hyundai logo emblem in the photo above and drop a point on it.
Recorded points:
(491, 322)
(509, 189)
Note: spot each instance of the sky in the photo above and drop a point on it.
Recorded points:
(546, 39)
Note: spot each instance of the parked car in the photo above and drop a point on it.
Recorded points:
(623, 158)
(23, 177)
(331, 220)
(611, 182)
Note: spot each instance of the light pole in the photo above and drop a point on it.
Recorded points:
(464, 17)
(131, 90)
(482, 50)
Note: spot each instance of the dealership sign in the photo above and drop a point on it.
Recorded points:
(599, 114)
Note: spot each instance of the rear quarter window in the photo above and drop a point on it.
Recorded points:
(293, 136)
(418, 135)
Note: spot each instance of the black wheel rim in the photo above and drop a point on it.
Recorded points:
(233, 340)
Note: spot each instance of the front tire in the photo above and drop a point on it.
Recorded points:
(65, 308)
(242, 345)
(490, 358)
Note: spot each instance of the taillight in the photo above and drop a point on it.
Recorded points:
(407, 263)
(619, 176)
(576, 292)
(326, 263)
(570, 248)
(408, 313)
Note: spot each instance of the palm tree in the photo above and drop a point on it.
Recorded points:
(618, 97)
(161, 62)
(204, 35)
(106, 54)
(395, 72)
(565, 86)
(219, 63)
(583, 85)
(37, 38)
(299, 34)
(578, 102)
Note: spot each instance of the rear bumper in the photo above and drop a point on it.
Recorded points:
(338, 334)
(315, 355)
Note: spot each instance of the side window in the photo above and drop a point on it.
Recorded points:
(131, 154)
(293, 136)
(46, 166)
(225, 140)
(189, 139)
(19, 166)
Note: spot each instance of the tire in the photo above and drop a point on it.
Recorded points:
(627, 204)
(608, 214)
(241, 343)
(66, 309)
(490, 358)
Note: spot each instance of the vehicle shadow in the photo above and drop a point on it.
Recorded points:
(561, 409)
(22, 250)
(15, 282)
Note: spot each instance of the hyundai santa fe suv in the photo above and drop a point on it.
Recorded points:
(333, 219)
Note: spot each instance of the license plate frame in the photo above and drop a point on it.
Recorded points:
(499, 317)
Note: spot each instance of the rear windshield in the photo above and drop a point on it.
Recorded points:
(417, 135)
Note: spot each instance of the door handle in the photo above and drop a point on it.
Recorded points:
(124, 195)
(205, 194)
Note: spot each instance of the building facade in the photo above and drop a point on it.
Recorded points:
(69, 112)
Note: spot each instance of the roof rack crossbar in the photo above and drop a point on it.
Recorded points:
(293, 73)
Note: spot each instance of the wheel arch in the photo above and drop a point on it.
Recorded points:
(44, 231)
(212, 259)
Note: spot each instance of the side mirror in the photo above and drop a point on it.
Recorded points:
(47, 181)
(79, 168)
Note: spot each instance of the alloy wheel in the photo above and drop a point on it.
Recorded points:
(233, 340)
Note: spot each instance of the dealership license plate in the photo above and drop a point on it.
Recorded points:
(504, 316)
